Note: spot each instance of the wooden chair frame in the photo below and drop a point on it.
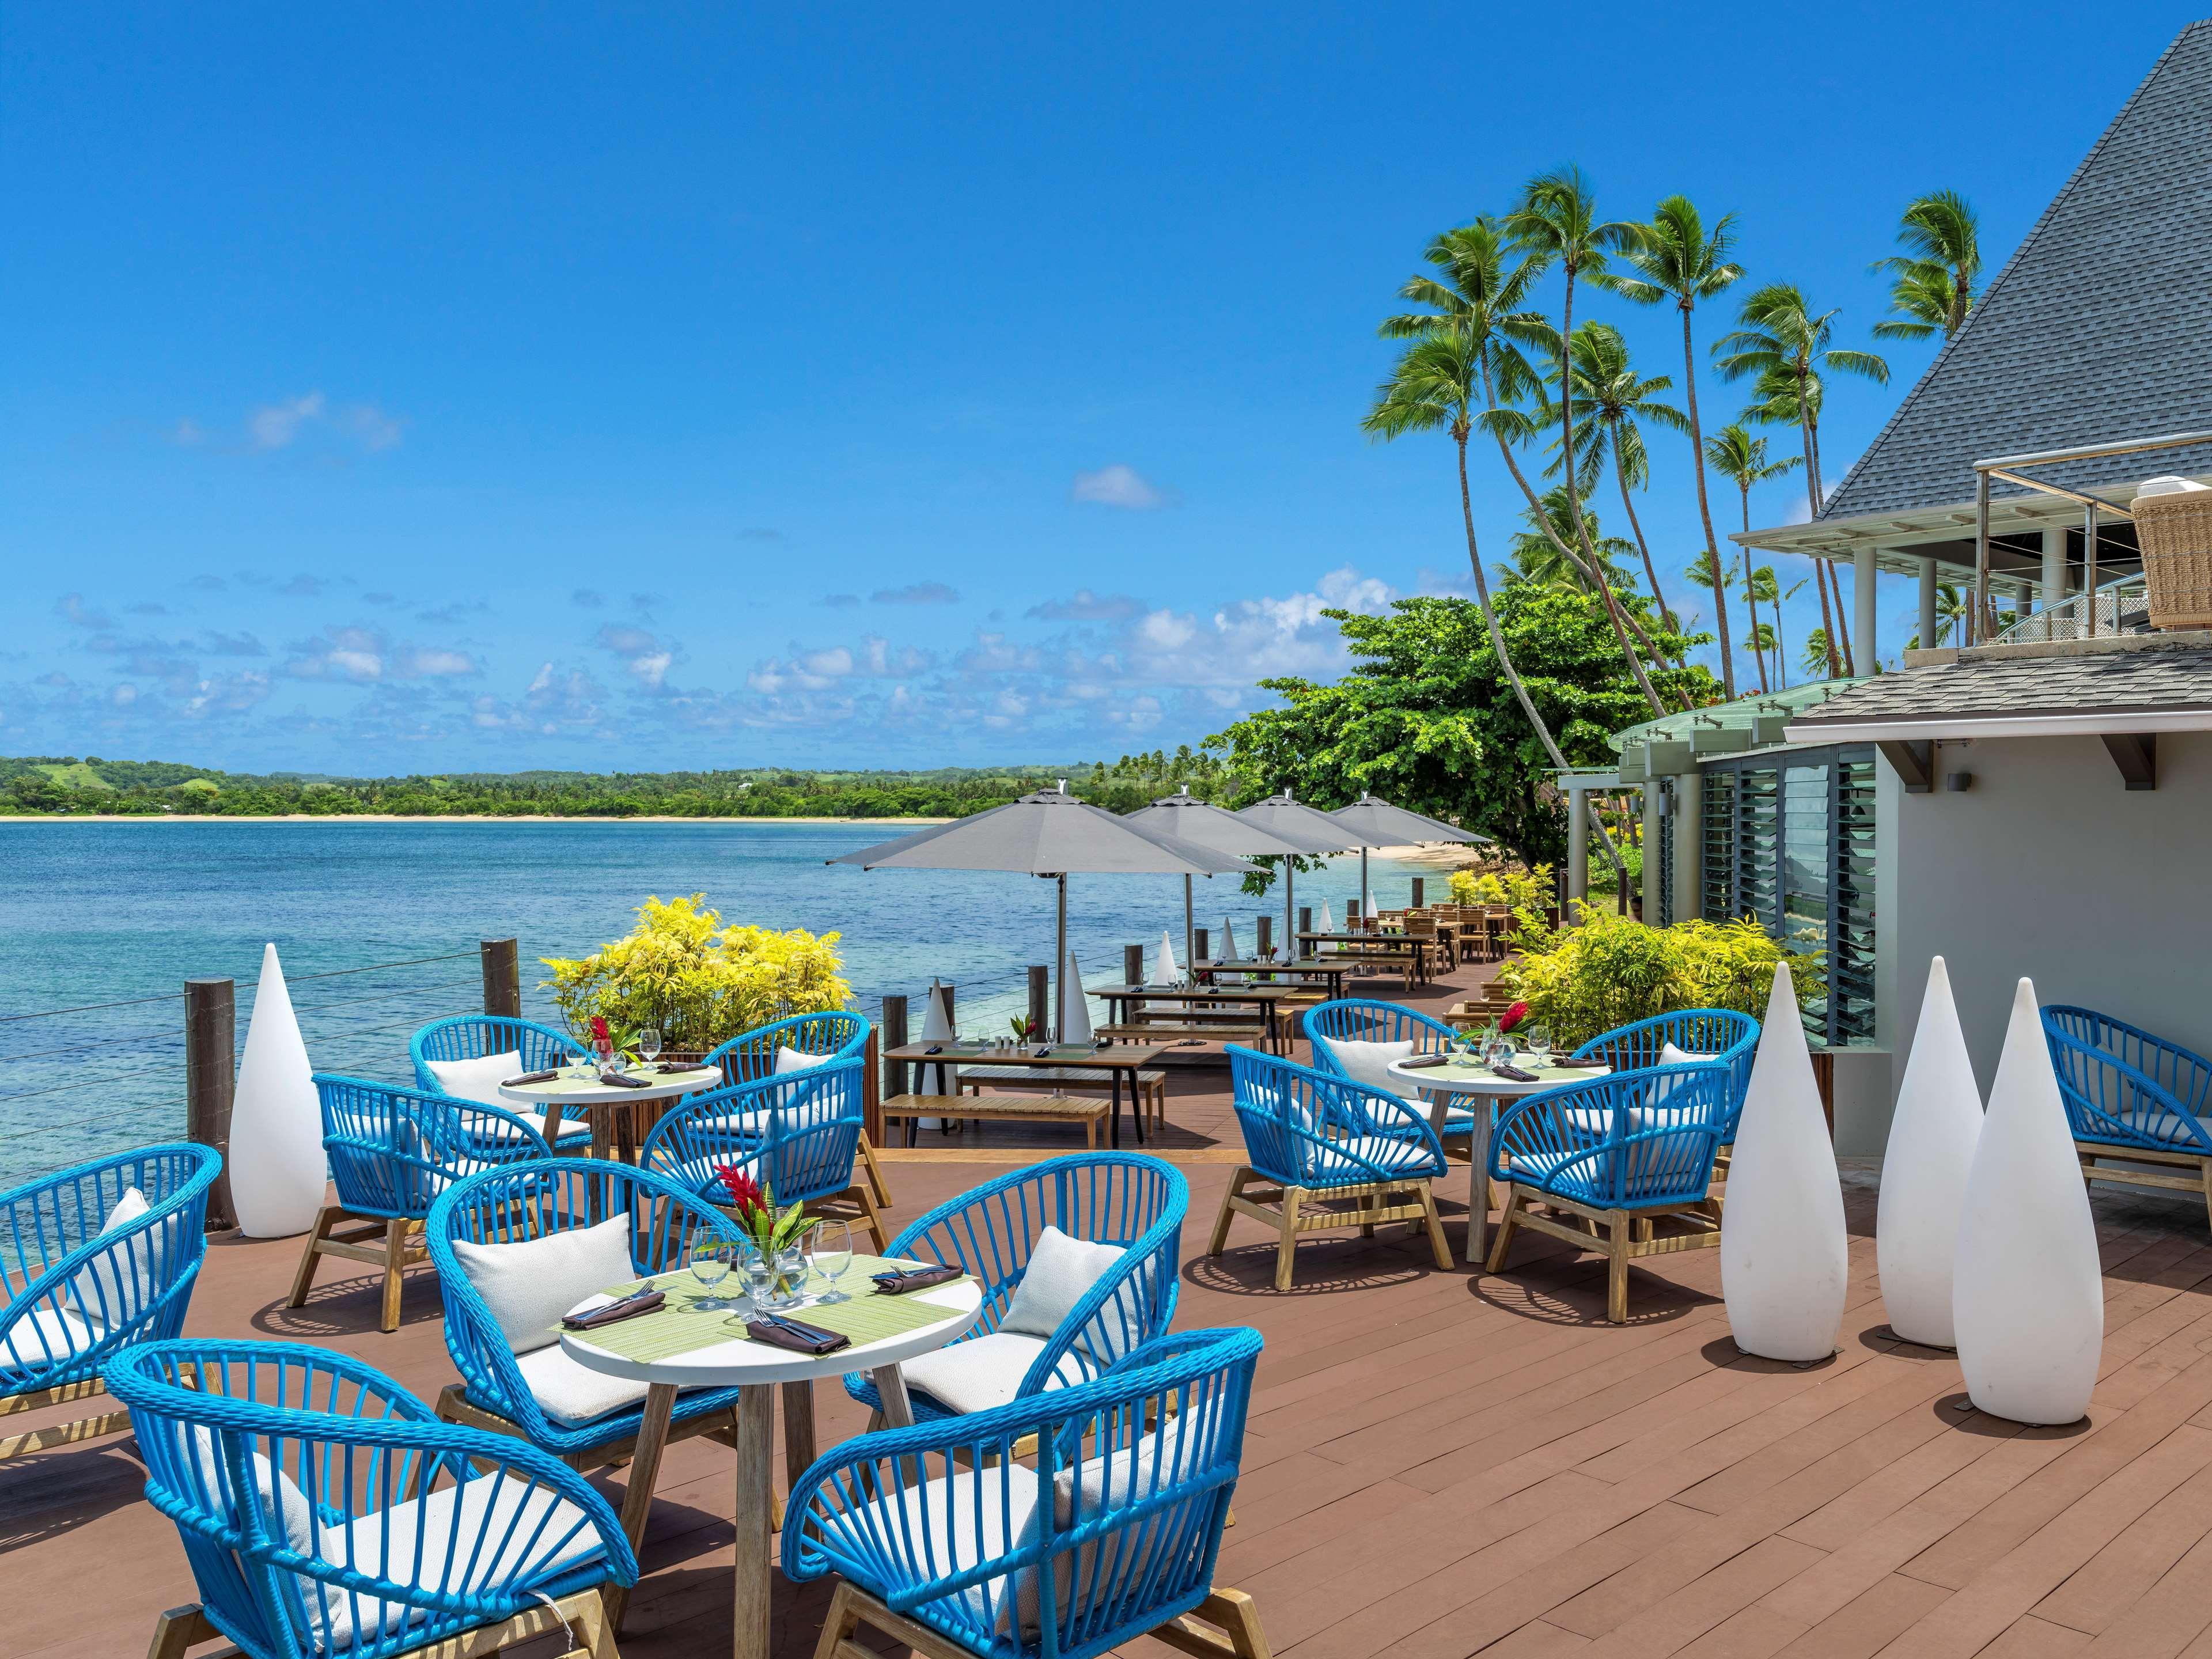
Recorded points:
(1225, 1625)
(582, 1616)
(2089, 1151)
(391, 1245)
(58, 1434)
(1622, 1235)
(1284, 1209)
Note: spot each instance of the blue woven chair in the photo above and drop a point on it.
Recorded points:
(1623, 1153)
(1724, 1034)
(393, 1151)
(2132, 1099)
(752, 1055)
(519, 1045)
(948, 1544)
(1359, 1019)
(325, 1510)
(1313, 1137)
(797, 1133)
(1124, 1200)
(77, 1288)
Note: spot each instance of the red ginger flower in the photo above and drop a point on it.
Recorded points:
(1513, 1017)
(598, 1028)
(745, 1193)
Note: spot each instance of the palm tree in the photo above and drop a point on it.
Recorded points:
(1537, 557)
(1614, 399)
(1676, 258)
(1771, 590)
(1556, 223)
(1742, 460)
(1935, 275)
(1817, 654)
(1786, 348)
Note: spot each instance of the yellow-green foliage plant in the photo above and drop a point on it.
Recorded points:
(700, 983)
(1609, 971)
(1466, 887)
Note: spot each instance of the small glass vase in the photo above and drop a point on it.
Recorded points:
(778, 1281)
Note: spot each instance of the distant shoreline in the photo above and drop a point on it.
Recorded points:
(418, 818)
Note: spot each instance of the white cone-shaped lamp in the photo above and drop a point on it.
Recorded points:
(276, 1159)
(1079, 1006)
(936, 1017)
(2027, 1292)
(1328, 920)
(1784, 1263)
(1164, 965)
(1924, 1171)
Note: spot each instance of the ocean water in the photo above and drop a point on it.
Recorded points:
(100, 923)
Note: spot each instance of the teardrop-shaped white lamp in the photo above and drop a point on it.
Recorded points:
(2028, 1292)
(1784, 1259)
(1227, 940)
(277, 1169)
(936, 1017)
(1079, 1005)
(1924, 1171)
(1164, 971)
(1327, 918)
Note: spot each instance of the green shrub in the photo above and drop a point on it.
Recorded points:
(1609, 971)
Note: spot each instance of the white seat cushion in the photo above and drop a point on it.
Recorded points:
(1369, 1062)
(2164, 1126)
(478, 1079)
(1387, 1152)
(41, 1338)
(528, 1284)
(984, 1372)
(573, 1395)
(115, 1287)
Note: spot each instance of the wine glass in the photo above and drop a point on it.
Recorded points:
(648, 1044)
(710, 1265)
(1539, 1045)
(829, 1251)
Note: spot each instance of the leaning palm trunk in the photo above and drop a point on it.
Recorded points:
(1628, 506)
(1813, 496)
(1751, 601)
(1704, 510)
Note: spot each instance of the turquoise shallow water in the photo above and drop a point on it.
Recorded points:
(105, 913)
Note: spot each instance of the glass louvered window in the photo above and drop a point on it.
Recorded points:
(1717, 821)
(1664, 851)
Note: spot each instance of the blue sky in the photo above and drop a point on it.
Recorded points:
(410, 388)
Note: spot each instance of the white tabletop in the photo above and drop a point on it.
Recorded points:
(741, 1361)
(590, 1092)
(1480, 1080)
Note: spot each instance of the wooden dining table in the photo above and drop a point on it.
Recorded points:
(1124, 1001)
(1329, 970)
(1117, 1060)
(1385, 945)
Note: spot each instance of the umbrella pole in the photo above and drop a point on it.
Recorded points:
(1060, 973)
(1189, 934)
(1290, 897)
(1362, 884)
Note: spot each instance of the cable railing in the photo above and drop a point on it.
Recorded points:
(2121, 606)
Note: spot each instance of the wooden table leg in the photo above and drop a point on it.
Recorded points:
(553, 1123)
(798, 1430)
(644, 1470)
(625, 1116)
(1478, 1182)
(891, 1388)
(603, 1139)
(748, 1630)
(1114, 1117)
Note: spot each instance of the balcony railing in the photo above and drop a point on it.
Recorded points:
(2121, 607)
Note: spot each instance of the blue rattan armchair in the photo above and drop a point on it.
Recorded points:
(1133, 1204)
(1359, 1019)
(799, 1134)
(465, 1044)
(752, 1055)
(324, 1510)
(2132, 1099)
(1726, 1036)
(393, 1151)
(1624, 1153)
(1313, 1134)
(86, 1275)
(941, 1535)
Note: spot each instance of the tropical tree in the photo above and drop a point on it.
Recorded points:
(1817, 656)
(1615, 400)
(1676, 257)
(1741, 458)
(1933, 285)
(1785, 349)
(1769, 589)
(1555, 223)
(1537, 557)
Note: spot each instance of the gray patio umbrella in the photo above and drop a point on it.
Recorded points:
(1395, 826)
(1188, 818)
(1313, 832)
(1050, 833)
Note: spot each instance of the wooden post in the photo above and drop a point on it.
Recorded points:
(1421, 885)
(1203, 944)
(1265, 932)
(1039, 1002)
(211, 1080)
(894, 1037)
(1306, 917)
(1351, 911)
(502, 977)
(871, 1090)
(1133, 965)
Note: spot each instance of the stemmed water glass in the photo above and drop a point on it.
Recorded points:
(1539, 1045)
(649, 1044)
(830, 1251)
(710, 1265)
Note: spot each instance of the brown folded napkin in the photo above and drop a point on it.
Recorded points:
(1419, 1061)
(531, 1077)
(913, 1278)
(1513, 1073)
(796, 1334)
(621, 1081)
(629, 1307)
(672, 1067)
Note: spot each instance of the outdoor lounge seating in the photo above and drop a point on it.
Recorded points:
(800, 1130)
(946, 1544)
(1610, 1160)
(324, 1510)
(87, 1271)
(470, 1055)
(1724, 1034)
(2132, 1099)
(1359, 1038)
(1325, 1152)
(761, 1053)
(1103, 1232)
(392, 1152)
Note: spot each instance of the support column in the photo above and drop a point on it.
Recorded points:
(1689, 846)
(1862, 595)
(1578, 834)
(1927, 604)
(1651, 836)
(2054, 566)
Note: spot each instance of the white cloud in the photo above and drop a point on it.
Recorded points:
(652, 667)
(273, 426)
(1117, 486)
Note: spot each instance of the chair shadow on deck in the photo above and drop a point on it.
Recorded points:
(48, 1494)
(1327, 1264)
(1564, 1289)
(351, 1307)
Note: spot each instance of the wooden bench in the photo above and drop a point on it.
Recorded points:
(999, 1109)
(1150, 1087)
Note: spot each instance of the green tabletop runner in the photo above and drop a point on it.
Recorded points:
(555, 1088)
(1062, 1054)
(1479, 1072)
(678, 1328)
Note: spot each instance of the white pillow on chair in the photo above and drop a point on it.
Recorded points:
(528, 1284)
(117, 1287)
(1670, 1056)
(789, 1059)
(1369, 1062)
(1061, 1271)
(478, 1079)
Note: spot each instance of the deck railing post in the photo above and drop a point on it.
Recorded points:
(1133, 965)
(1201, 944)
(1306, 917)
(1264, 931)
(894, 1026)
(211, 1080)
(502, 977)
(1039, 1002)
(1420, 887)
(872, 1089)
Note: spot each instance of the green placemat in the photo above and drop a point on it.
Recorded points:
(679, 1327)
(1061, 1053)
(1549, 1074)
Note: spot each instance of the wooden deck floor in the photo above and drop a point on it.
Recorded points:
(1442, 1464)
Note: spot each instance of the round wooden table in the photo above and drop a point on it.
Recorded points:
(1483, 1090)
(613, 1132)
(755, 1369)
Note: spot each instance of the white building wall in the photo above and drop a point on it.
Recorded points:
(2048, 867)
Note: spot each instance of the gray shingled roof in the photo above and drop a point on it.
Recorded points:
(2097, 328)
(1996, 688)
